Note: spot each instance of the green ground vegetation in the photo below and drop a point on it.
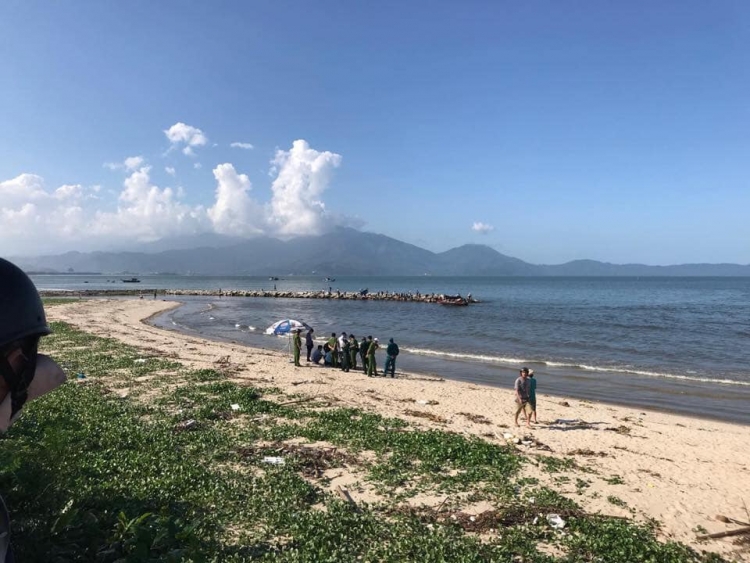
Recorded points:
(145, 460)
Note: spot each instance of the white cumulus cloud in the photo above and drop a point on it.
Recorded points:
(129, 164)
(235, 212)
(482, 228)
(302, 175)
(246, 146)
(187, 136)
(147, 212)
(35, 219)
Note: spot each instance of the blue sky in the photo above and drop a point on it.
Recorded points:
(612, 131)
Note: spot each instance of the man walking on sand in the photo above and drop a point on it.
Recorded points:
(522, 396)
(297, 342)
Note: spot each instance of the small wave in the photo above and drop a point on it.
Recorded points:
(585, 367)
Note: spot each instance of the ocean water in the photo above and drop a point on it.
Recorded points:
(680, 344)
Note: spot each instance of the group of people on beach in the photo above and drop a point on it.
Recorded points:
(342, 352)
(525, 395)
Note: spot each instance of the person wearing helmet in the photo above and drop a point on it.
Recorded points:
(24, 374)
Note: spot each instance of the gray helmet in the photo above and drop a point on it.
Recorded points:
(21, 309)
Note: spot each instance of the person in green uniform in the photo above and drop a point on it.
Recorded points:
(390, 361)
(353, 351)
(363, 347)
(372, 368)
(333, 344)
(297, 343)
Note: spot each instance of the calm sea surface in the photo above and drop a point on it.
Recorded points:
(680, 344)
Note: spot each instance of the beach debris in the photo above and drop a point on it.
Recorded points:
(234, 407)
(622, 429)
(727, 520)
(304, 400)
(140, 361)
(587, 452)
(727, 534)
(507, 435)
(427, 415)
(555, 521)
(190, 424)
(273, 460)
(426, 402)
(476, 418)
(344, 494)
(571, 423)
(80, 376)
(222, 361)
(311, 461)
(564, 404)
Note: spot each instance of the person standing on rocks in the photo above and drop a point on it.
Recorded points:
(309, 343)
(390, 361)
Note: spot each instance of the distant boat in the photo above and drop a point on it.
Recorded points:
(330, 279)
(273, 279)
(454, 302)
(132, 280)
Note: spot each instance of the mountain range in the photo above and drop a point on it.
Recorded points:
(341, 252)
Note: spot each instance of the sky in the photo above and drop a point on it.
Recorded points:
(550, 131)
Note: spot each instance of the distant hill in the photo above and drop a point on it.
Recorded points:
(342, 252)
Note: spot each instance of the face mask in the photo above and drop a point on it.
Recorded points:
(18, 380)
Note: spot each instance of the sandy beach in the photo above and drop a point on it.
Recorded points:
(681, 471)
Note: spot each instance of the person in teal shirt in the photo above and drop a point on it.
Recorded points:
(532, 395)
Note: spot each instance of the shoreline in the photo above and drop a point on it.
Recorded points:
(658, 464)
(670, 395)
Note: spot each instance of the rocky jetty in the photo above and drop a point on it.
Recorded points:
(346, 295)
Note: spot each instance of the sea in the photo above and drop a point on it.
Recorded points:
(661, 343)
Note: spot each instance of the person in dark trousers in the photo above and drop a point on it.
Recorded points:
(353, 351)
(24, 373)
(297, 343)
(372, 366)
(317, 355)
(333, 344)
(345, 356)
(363, 347)
(309, 344)
(390, 361)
